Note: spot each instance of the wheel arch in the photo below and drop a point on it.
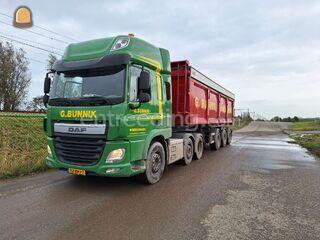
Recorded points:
(156, 137)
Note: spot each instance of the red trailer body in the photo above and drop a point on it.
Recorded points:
(196, 99)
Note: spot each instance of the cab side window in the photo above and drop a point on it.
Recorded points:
(135, 73)
(168, 91)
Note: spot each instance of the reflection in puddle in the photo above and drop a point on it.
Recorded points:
(273, 152)
(255, 145)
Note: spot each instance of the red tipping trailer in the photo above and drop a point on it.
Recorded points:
(198, 100)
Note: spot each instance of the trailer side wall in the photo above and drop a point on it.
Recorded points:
(197, 103)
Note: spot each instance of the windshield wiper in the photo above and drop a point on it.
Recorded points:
(96, 100)
(81, 101)
(61, 101)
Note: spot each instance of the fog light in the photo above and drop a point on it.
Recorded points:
(112, 170)
(138, 166)
(49, 150)
(49, 164)
(116, 155)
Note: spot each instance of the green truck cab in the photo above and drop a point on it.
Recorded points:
(109, 106)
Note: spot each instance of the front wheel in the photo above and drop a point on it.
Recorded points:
(155, 163)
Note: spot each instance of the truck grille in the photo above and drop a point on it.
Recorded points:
(79, 150)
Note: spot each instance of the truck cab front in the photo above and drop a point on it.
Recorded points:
(107, 101)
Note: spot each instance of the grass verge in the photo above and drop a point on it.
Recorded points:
(241, 123)
(22, 145)
(306, 126)
(308, 141)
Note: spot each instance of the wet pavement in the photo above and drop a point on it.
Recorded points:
(261, 187)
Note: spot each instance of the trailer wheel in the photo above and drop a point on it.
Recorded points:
(188, 151)
(224, 138)
(155, 163)
(198, 147)
(217, 141)
(229, 140)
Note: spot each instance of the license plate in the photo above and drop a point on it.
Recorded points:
(77, 171)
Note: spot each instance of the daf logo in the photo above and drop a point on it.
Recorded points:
(80, 128)
(77, 129)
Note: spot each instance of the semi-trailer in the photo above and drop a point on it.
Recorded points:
(119, 107)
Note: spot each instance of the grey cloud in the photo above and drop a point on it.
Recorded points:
(265, 50)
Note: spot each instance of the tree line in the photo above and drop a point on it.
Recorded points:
(15, 80)
(287, 119)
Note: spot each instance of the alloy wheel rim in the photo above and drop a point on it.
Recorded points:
(156, 163)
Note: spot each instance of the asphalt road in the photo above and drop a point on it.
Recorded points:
(261, 187)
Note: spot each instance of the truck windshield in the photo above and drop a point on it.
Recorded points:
(88, 87)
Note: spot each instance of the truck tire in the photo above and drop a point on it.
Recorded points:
(198, 146)
(229, 140)
(188, 151)
(224, 138)
(155, 163)
(217, 141)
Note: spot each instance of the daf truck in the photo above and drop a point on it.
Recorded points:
(119, 107)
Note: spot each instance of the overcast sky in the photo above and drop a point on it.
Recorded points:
(266, 52)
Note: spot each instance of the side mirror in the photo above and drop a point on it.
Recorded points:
(144, 82)
(45, 100)
(47, 83)
(144, 97)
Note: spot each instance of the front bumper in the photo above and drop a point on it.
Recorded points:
(125, 168)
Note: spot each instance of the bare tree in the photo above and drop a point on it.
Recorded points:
(51, 60)
(14, 77)
(36, 105)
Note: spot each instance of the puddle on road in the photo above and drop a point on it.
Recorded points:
(269, 146)
(273, 152)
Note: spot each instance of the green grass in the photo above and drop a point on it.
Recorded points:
(241, 124)
(308, 141)
(306, 126)
(22, 145)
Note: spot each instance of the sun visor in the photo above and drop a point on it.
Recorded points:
(107, 61)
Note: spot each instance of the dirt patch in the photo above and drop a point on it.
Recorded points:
(263, 211)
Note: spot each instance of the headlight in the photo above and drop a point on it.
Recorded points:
(116, 155)
(49, 150)
(121, 42)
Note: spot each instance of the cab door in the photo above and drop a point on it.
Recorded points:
(143, 117)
